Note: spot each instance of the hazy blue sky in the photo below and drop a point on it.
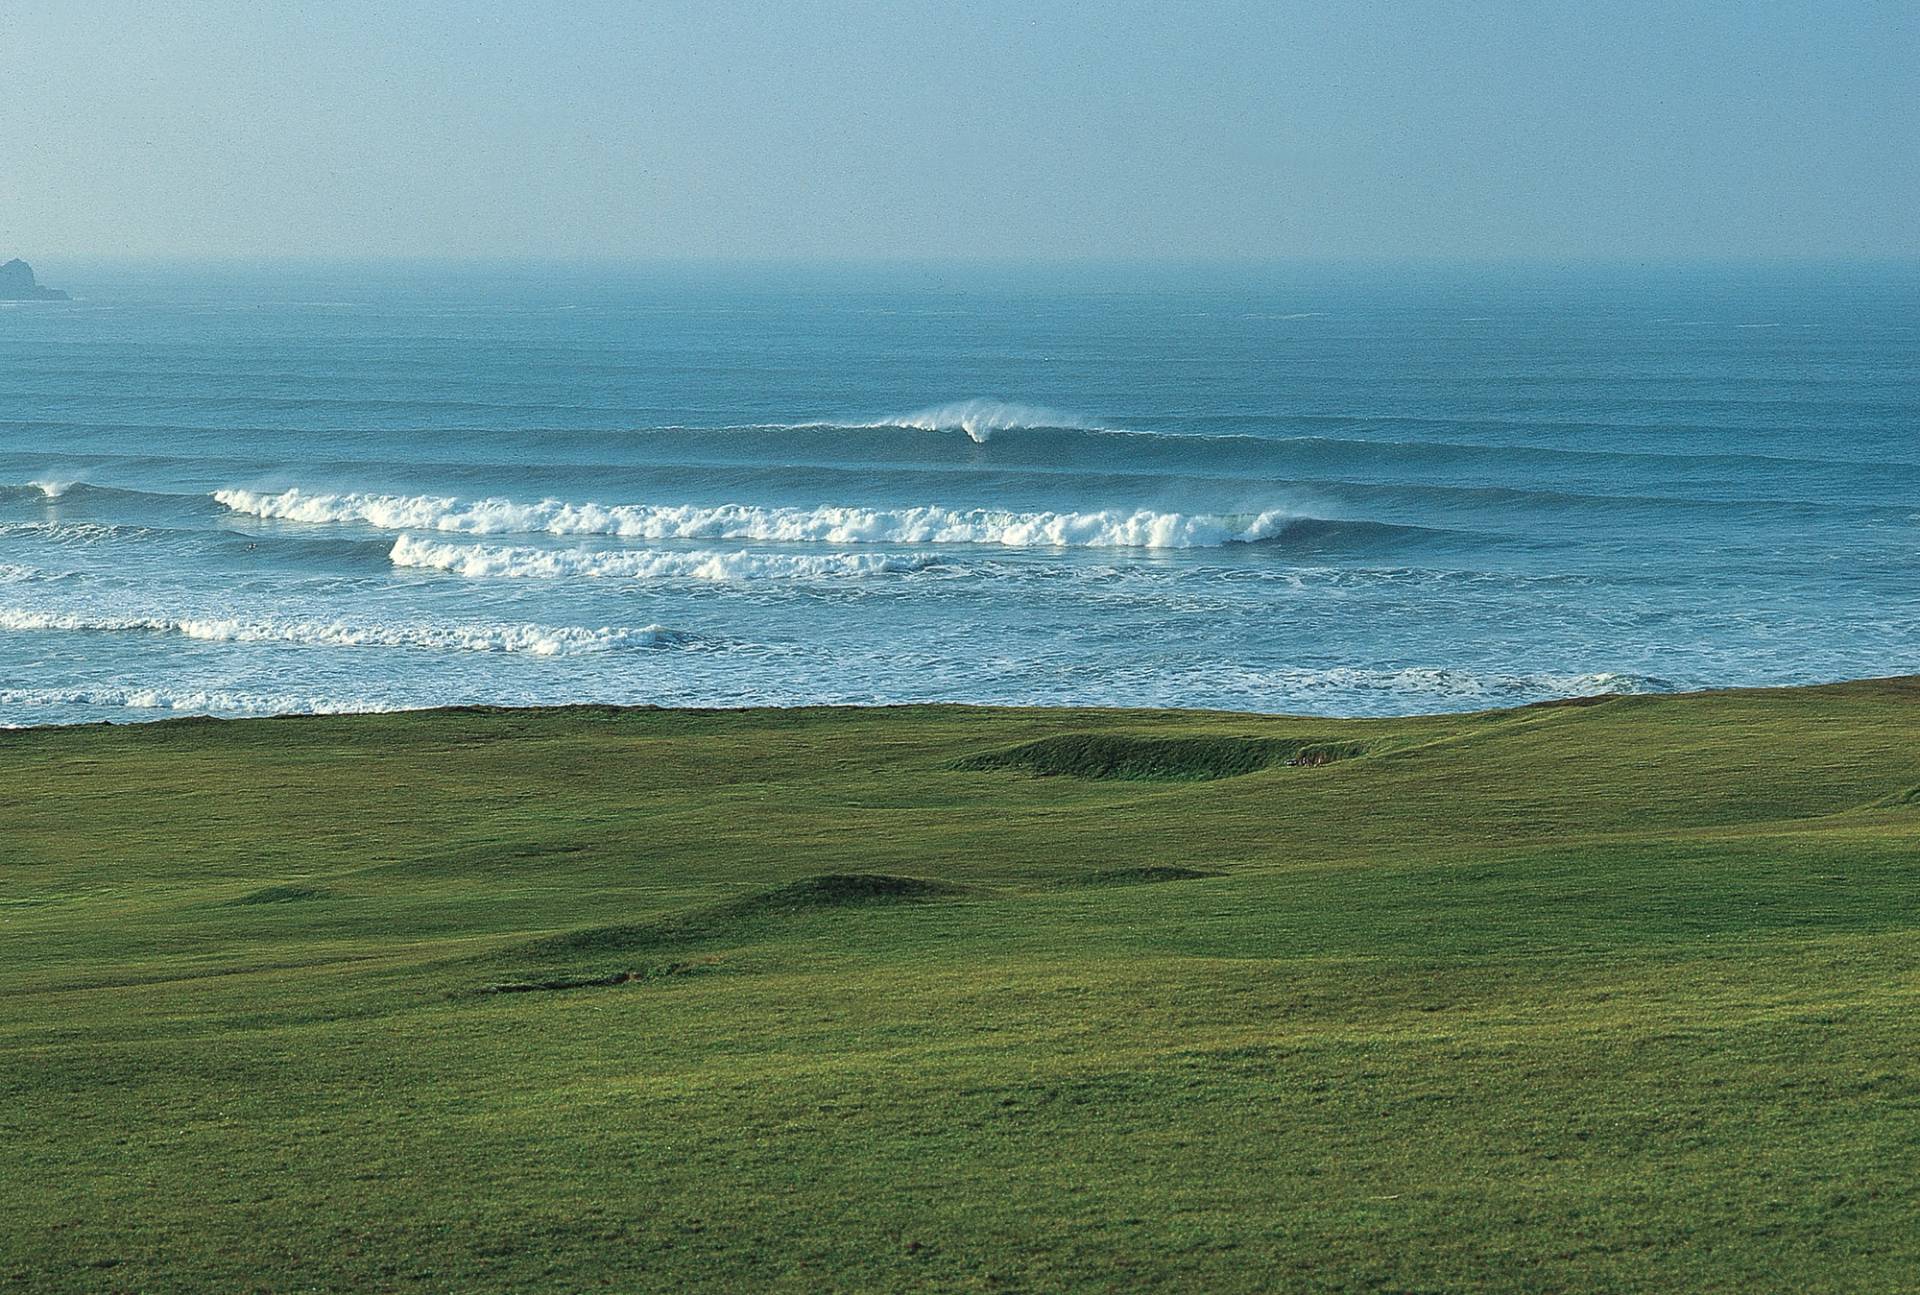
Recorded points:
(852, 129)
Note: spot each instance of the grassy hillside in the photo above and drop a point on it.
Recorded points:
(1610, 997)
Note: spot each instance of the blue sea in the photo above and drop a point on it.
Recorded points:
(1348, 491)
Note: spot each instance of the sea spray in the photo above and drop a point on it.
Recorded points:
(980, 418)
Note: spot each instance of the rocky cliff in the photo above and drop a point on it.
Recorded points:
(18, 284)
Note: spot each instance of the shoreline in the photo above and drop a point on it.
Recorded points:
(962, 707)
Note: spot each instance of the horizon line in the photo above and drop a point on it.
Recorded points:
(980, 263)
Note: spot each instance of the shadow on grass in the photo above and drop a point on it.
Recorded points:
(282, 895)
(559, 956)
(1144, 875)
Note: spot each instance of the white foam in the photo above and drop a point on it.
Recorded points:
(191, 701)
(483, 560)
(1440, 681)
(70, 532)
(53, 489)
(1107, 528)
(981, 418)
(534, 640)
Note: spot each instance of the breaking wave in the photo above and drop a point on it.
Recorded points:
(71, 532)
(480, 560)
(981, 418)
(52, 489)
(1107, 528)
(1447, 682)
(190, 701)
(533, 640)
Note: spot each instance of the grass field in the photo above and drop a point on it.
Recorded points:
(1610, 997)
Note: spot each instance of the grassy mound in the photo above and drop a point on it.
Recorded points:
(840, 890)
(281, 895)
(629, 977)
(738, 917)
(1143, 758)
(1144, 875)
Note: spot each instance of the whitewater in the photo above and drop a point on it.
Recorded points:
(1339, 493)
(1138, 528)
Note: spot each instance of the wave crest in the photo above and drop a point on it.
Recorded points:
(481, 560)
(72, 533)
(191, 701)
(1453, 683)
(534, 640)
(980, 418)
(930, 524)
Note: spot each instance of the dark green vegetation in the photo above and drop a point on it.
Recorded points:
(1157, 756)
(1611, 997)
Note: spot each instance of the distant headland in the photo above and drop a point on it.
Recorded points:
(18, 284)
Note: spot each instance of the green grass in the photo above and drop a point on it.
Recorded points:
(1157, 757)
(1612, 997)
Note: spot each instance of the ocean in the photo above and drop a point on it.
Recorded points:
(1344, 491)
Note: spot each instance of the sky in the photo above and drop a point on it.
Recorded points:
(889, 130)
